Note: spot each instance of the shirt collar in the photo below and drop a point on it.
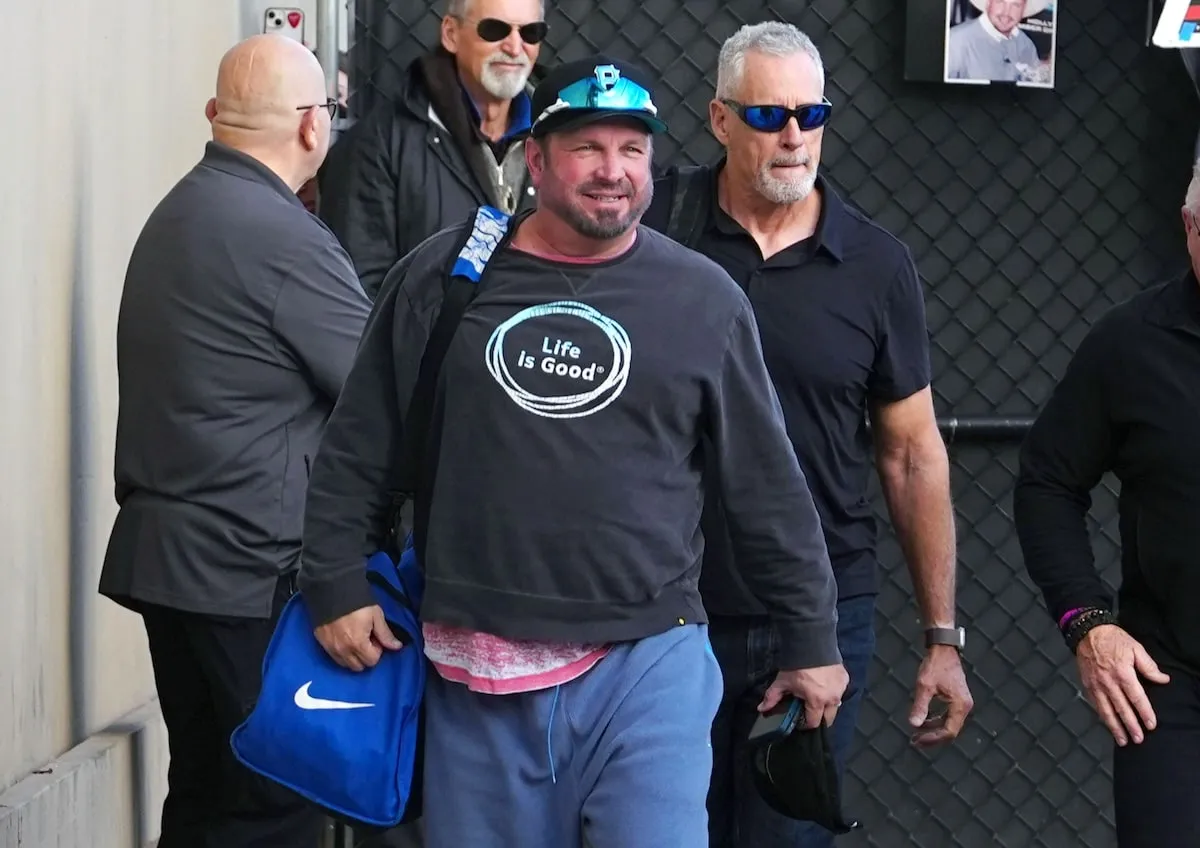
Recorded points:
(1191, 297)
(520, 113)
(223, 158)
(831, 225)
(1177, 306)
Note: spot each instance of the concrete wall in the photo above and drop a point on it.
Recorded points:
(103, 107)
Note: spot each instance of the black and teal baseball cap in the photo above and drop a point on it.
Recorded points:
(592, 89)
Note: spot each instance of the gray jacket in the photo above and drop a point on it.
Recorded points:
(238, 323)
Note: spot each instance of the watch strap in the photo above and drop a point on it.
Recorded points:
(955, 637)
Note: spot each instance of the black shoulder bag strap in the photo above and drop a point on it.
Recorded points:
(414, 473)
(689, 205)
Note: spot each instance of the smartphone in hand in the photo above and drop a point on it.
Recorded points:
(777, 723)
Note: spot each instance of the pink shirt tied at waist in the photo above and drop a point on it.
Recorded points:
(494, 666)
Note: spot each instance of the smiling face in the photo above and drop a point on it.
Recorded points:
(501, 68)
(782, 166)
(596, 178)
(1005, 14)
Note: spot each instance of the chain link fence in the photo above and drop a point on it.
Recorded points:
(1029, 213)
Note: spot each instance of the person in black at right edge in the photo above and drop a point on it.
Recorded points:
(451, 139)
(1129, 403)
(840, 310)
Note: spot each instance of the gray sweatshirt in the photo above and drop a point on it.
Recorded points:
(570, 414)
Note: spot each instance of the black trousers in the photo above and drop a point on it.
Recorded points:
(405, 836)
(208, 670)
(1156, 785)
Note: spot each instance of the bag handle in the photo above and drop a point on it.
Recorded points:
(399, 629)
(384, 585)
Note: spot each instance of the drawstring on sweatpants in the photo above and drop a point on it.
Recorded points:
(549, 738)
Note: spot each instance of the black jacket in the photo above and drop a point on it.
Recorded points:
(1129, 403)
(400, 175)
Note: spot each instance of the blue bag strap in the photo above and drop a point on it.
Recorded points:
(487, 233)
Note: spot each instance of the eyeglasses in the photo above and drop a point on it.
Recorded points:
(772, 119)
(331, 105)
(494, 29)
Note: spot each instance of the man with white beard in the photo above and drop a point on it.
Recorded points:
(452, 138)
(841, 316)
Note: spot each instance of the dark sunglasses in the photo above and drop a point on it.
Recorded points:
(770, 119)
(493, 30)
(331, 105)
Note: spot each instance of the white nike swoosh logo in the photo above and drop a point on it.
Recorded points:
(306, 701)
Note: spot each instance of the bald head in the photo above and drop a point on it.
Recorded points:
(263, 85)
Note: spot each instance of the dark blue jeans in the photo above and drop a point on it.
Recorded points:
(737, 816)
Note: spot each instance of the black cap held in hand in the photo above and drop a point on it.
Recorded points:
(587, 90)
(796, 776)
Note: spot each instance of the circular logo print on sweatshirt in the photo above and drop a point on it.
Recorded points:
(560, 360)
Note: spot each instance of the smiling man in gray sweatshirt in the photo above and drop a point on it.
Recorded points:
(574, 687)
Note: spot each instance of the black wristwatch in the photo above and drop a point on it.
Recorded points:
(955, 637)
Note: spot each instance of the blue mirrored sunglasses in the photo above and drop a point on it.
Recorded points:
(771, 119)
(606, 90)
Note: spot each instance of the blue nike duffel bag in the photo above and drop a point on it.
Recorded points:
(348, 741)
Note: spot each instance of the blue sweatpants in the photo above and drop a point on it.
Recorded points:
(617, 758)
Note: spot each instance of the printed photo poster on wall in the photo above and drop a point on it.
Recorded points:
(1178, 25)
(1006, 41)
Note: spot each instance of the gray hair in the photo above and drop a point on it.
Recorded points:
(1191, 200)
(458, 8)
(774, 38)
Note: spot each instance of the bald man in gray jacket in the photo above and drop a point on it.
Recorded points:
(239, 320)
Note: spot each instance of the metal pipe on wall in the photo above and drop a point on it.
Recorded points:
(327, 42)
(81, 585)
(984, 428)
(981, 429)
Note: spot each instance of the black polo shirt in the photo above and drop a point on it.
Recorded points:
(842, 321)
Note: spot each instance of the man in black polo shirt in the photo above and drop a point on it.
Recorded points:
(1129, 403)
(841, 316)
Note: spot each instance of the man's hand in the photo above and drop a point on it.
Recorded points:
(820, 689)
(940, 676)
(1110, 661)
(358, 639)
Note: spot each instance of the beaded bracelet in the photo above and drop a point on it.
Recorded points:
(1071, 613)
(1083, 624)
